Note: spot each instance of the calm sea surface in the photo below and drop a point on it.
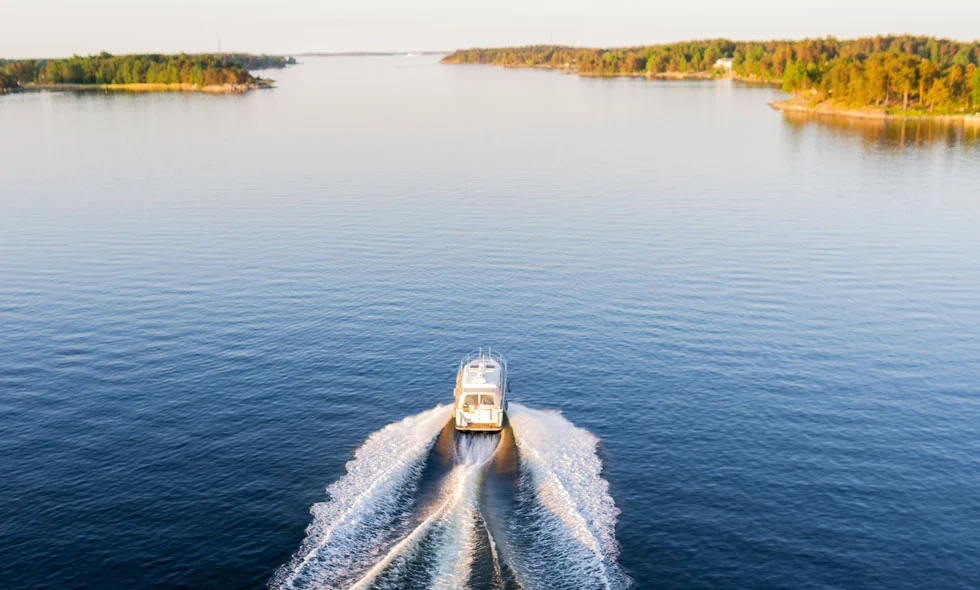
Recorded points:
(208, 303)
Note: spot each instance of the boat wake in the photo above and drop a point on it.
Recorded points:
(453, 520)
(564, 533)
(558, 530)
(350, 531)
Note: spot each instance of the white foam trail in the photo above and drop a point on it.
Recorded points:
(348, 531)
(455, 557)
(498, 572)
(566, 478)
(453, 519)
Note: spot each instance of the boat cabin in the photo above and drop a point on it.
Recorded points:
(481, 391)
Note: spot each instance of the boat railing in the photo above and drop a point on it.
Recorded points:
(488, 353)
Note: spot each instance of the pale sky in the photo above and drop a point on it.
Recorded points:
(55, 28)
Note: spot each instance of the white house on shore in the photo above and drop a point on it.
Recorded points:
(724, 63)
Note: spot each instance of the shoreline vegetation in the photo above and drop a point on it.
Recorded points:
(213, 73)
(889, 76)
(830, 108)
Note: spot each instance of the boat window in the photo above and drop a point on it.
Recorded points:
(478, 400)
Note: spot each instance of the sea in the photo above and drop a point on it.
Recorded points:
(743, 346)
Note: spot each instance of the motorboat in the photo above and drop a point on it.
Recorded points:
(481, 392)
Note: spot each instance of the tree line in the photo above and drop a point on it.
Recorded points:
(895, 72)
(249, 61)
(204, 69)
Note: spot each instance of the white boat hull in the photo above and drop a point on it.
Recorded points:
(480, 397)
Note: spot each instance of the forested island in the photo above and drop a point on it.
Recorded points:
(884, 76)
(207, 72)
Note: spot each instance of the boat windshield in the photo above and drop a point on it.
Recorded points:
(478, 400)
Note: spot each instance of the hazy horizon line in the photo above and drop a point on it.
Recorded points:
(382, 52)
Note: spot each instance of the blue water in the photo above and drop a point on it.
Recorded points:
(208, 303)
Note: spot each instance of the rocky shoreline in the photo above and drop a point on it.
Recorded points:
(828, 109)
(259, 84)
(672, 75)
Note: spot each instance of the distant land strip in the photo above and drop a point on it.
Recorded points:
(219, 73)
(369, 53)
(888, 76)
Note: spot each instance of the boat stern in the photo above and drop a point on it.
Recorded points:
(491, 420)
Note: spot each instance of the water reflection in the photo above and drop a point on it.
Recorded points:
(891, 134)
